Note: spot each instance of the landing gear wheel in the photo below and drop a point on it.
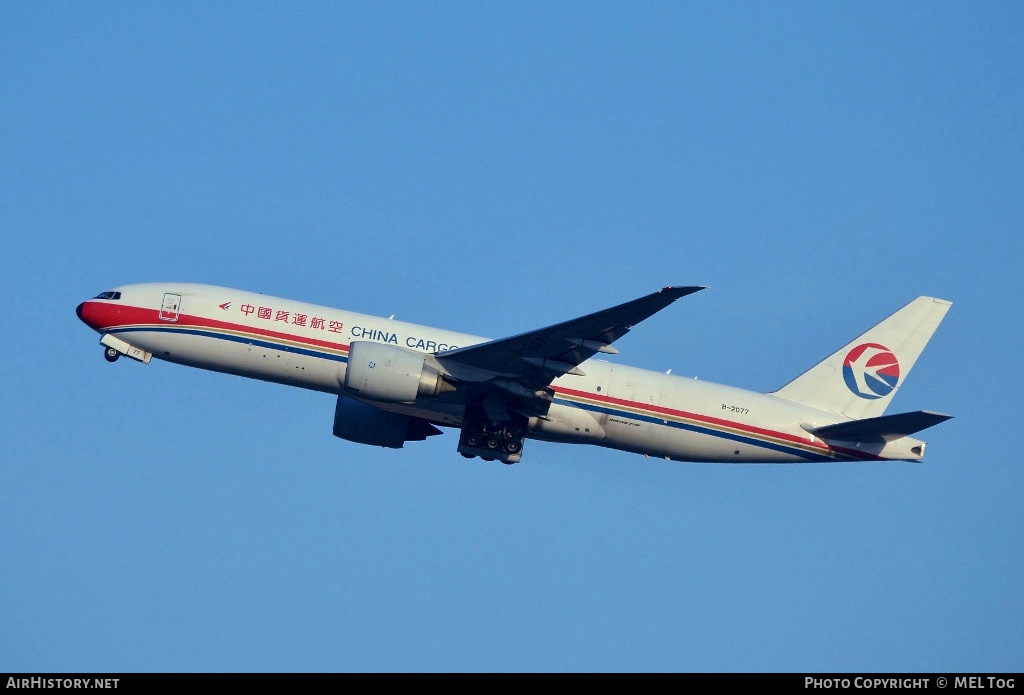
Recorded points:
(111, 355)
(492, 440)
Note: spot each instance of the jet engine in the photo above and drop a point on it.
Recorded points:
(362, 423)
(391, 374)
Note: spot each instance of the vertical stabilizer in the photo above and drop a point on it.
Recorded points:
(860, 379)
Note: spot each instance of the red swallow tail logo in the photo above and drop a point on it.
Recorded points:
(871, 371)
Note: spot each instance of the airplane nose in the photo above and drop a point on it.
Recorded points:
(78, 309)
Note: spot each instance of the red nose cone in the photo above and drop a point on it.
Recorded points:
(96, 315)
(86, 314)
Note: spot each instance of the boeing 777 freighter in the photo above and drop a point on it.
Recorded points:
(397, 382)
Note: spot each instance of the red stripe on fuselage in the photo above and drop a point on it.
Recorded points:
(102, 316)
(681, 413)
(718, 422)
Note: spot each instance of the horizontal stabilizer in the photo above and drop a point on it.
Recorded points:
(887, 427)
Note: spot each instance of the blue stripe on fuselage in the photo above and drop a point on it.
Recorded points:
(654, 420)
(309, 352)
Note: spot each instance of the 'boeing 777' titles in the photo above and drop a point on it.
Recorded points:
(397, 382)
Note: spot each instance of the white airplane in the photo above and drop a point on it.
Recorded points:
(396, 382)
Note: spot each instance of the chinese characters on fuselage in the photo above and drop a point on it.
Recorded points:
(295, 318)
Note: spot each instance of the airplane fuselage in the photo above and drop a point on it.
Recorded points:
(610, 405)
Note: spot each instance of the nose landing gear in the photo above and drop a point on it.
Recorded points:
(114, 347)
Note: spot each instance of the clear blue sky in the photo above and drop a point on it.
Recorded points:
(492, 168)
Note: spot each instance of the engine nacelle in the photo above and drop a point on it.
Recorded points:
(390, 374)
(364, 424)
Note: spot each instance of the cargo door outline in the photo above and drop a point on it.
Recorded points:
(170, 307)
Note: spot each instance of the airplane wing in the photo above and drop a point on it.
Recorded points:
(536, 358)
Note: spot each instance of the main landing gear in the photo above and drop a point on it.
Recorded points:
(501, 441)
(110, 354)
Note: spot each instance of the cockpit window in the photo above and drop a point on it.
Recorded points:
(108, 295)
